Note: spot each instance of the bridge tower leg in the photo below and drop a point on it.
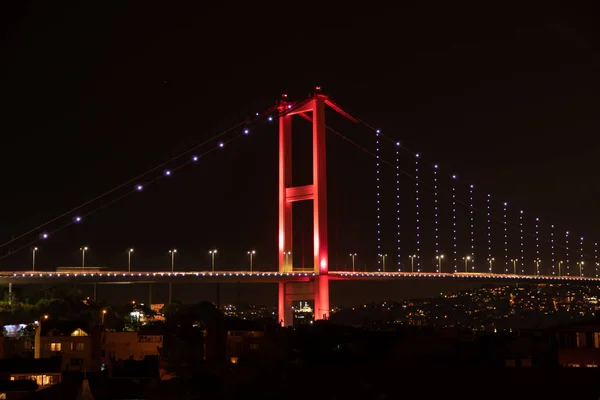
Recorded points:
(318, 289)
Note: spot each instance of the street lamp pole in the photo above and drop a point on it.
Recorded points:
(580, 268)
(412, 262)
(251, 253)
(491, 260)
(212, 261)
(83, 250)
(559, 263)
(173, 259)
(467, 258)
(33, 261)
(287, 255)
(383, 256)
(129, 259)
(440, 258)
(352, 255)
(514, 261)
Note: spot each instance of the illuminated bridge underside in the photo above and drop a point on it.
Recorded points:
(120, 277)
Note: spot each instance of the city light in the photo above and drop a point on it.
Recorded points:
(167, 172)
(139, 188)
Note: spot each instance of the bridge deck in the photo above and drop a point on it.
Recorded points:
(120, 277)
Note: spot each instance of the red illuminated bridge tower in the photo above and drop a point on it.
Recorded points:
(312, 109)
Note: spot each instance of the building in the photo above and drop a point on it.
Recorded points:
(44, 372)
(75, 342)
(578, 344)
(128, 346)
(232, 339)
(11, 347)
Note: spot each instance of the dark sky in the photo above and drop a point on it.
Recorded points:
(93, 95)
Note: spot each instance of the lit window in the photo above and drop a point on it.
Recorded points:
(55, 346)
(77, 346)
(254, 346)
(580, 339)
(234, 360)
(79, 332)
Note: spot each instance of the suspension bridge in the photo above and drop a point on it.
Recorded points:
(428, 225)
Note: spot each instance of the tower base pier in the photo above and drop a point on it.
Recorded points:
(316, 290)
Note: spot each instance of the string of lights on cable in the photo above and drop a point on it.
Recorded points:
(521, 242)
(537, 245)
(187, 157)
(419, 183)
(417, 215)
(505, 225)
(489, 231)
(472, 225)
(552, 249)
(567, 261)
(435, 215)
(398, 243)
(454, 228)
(581, 256)
(378, 194)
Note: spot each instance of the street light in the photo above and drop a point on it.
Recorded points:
(33, 251)
(491, 260)
(353, 255)
(212, 261)
(172, 252)
(580, 268)
(383, 256)
(514, 261)
(559, 263)
(467, 259)
(83, 250)
(129, 259)
(103, 314)
(439, 258)
(537, 266)
(287, 255)
(412, 262)
(251, 253)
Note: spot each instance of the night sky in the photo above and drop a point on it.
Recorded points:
(505, 98)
